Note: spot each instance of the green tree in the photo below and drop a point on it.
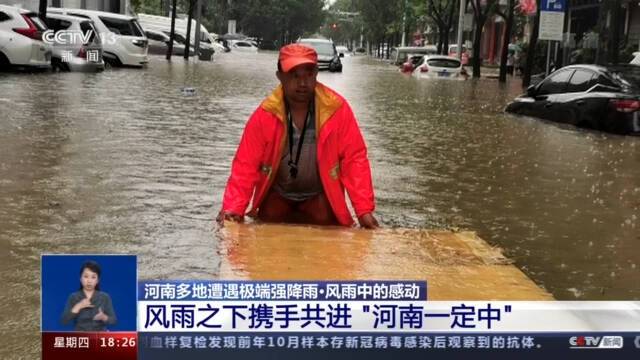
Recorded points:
(441, 13)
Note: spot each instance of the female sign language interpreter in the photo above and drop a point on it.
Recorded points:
(89, 308)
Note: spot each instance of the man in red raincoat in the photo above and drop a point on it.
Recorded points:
(300, 150)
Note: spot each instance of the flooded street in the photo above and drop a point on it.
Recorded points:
(123, 162)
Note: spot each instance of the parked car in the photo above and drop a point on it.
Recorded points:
(360, 51)
(73, 53)
(440, 67)
(242, 46)
(208, 46)
(453, 52)
(21, 41)
(599, 97)
(159, 43)
(124, 42)
(398, 55)
(328, 58)
(343, 51)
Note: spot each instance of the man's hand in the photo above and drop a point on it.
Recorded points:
(225, 215)
(367, 221)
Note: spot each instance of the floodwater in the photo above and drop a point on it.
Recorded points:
(124, 162)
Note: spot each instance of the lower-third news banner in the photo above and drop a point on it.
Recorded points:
(368, 319)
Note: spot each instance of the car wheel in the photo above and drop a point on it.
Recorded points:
(4, 62)
(111, 60)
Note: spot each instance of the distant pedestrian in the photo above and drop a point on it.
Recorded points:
(510, 61)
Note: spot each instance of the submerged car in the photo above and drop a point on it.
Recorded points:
(79, 54)
(328, 58)
(412, 61)
(343, 51)
(440, 67)
(599, 97)
(123, 40)
(21, 41)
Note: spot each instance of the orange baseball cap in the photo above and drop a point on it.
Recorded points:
(293, 55)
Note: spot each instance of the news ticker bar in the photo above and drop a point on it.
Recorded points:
(201, 345)
(374, 345)
(398, 316)
(222, 290)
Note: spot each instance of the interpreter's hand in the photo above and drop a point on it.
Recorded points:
(225, 215)
(84, 303)
(100, 316)
(367, 221)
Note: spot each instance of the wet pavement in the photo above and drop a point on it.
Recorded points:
(126, 162)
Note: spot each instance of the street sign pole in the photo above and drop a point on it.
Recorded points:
(546, 73)
(551, 24)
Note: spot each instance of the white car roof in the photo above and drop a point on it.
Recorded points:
(316, 40)
(14, 8)
(430, 57)
(94, 12)
(67, 17)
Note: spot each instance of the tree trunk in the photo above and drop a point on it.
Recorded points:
(439, 40)
(187, 49)
(445, 44)
(477, 38)
(42, 10)
(505, 43)
(526, 79)
(614, 44)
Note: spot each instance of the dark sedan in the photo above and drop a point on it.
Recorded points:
(598, 97)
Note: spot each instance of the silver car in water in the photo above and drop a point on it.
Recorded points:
(80, 49)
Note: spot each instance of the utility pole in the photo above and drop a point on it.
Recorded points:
(173, 31)
(189, 19)
(42, 10)
(196, 48)
(463, 3)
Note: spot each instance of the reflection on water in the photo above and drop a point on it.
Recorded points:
(123, 162)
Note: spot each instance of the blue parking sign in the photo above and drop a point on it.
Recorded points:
(553, 5)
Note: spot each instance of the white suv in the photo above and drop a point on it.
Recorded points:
(124, 42)
(21, 39)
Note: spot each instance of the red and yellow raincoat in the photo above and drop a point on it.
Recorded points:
(341, 152)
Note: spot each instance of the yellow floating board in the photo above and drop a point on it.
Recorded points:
(456, 265)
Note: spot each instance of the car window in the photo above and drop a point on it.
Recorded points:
(322, 48)
(446, 63)
(87, 26)
(555, 84)
(154, 36)
(625, 76)
(40, 25)
(242, 44)
(122, 27)
(582, 80)
(176, 37)
(80, 15)
(57, 24)
(4, 17)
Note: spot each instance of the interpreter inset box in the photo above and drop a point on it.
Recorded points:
(89, 293)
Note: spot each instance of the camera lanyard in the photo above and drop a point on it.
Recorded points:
(293, 164)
